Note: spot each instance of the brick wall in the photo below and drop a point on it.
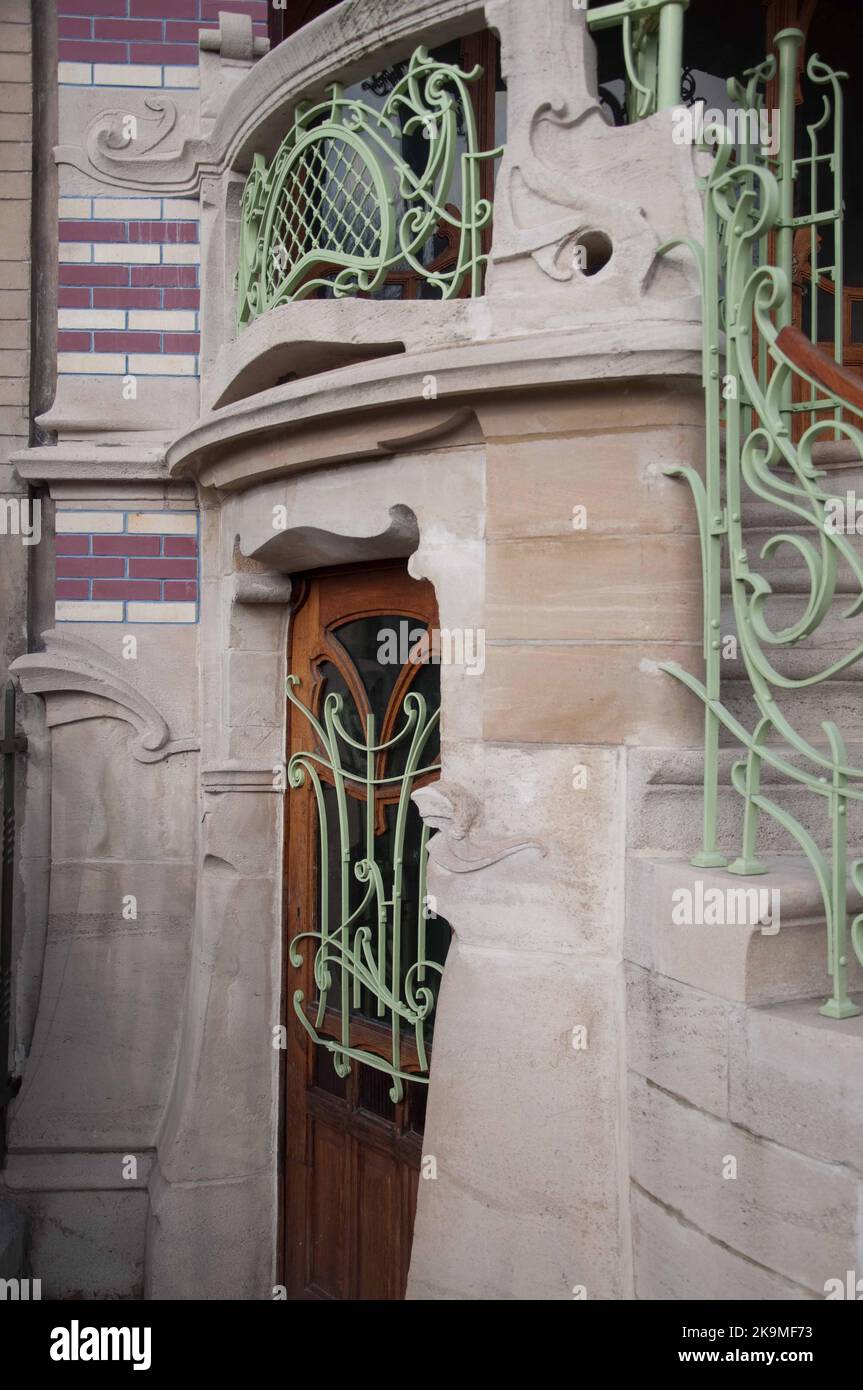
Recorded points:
(129, 290)
(128, 286)
(141, 43)
(116, 566)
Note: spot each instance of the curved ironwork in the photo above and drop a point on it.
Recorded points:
(364, 942)
(750, 415)
(340, 206)
(651, 34)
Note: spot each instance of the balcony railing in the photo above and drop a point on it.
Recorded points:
(651, 33)
(355, 193)
(770, 405)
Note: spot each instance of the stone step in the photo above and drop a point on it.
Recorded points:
(776, 953)
(666, 796)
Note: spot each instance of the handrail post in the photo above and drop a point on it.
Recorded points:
(670, 55)
(788, 42)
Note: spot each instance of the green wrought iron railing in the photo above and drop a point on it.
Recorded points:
(768, 406)
(10, 745)
(651, 33)
(368, 959)
(341, 205)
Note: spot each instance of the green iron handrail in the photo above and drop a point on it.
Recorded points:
(651, 33)
(364, 942)
(749, 209)
(325, 214)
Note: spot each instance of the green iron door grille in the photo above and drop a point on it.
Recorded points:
(377, 947)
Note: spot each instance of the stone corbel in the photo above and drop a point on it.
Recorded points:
(452, 810)
(227, 53)
(71, 666)
(260, 586)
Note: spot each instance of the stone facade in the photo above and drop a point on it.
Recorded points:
(595, 1067)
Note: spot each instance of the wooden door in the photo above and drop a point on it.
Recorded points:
(351, 1152)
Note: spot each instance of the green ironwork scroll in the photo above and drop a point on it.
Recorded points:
(761, 443)
(341, 206)
(367, 949)
(651, 33)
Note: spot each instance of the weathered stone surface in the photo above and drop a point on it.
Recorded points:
(601, 692)
(87, 1245)
(678, 1037)
(783, 1210)
(236, 1257)
(614, 470)
(563, 895)
(595, 588)
(674, 1260)
(795, 1077)
(523, 1127)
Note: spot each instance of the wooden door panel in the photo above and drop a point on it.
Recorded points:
(351, 1152)
(379, 1221)
(327, 1267)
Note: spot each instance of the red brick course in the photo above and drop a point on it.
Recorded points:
(163, 569)
(124, 298)
(90, 566)
(181, 591)
(164, 275)
(83, 51)
(157, 233)
(72, 588)
(128, 342)
(98, 274)
(72, 545)
(73, 342)
(182, 299)
(180, 545)
(125, 545)
(123, 588)
(92, 231)
(69, 297)
(141, 30)
(181, 342)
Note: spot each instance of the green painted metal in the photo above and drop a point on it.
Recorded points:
(365, 943)
(749, 410)
(340, 206)
(652, 37)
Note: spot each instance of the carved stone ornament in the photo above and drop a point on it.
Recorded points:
(72, 666)
(452, 810)
(137, 152)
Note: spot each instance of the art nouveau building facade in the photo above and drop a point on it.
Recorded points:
(344, 374)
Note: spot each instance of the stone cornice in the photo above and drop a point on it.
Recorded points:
(216, 450)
